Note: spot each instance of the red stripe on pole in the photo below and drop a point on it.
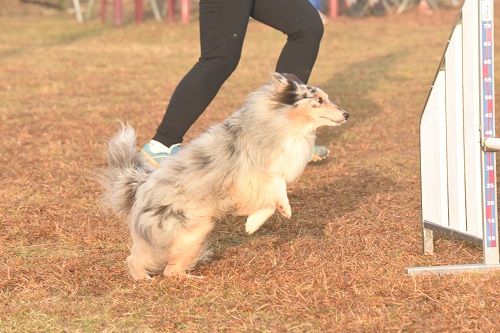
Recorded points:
(118, 12)
(185, 11)
(170, 9)
(139, 10)
(334, 9)
(102, 11)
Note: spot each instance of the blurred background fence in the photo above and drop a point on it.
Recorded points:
(120, 11)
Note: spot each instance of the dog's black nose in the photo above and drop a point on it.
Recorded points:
(346, 115)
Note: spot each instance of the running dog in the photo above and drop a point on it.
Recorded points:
(241, 167)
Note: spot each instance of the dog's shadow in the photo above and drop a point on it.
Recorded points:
(313, 209)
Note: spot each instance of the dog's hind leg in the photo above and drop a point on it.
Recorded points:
(135, 269)
(255, 220)
(187, 247)
(142, 260)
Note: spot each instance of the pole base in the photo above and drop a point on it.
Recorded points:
(452, 269)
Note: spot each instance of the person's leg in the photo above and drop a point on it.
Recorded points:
(223, 25)
(300, 21)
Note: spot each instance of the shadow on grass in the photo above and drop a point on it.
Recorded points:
(65, 38)
(313, 209)
(332, 201)
(351, 89)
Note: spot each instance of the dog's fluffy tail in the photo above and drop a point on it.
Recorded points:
(125, 172)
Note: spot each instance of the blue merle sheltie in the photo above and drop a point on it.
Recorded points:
(241, 166)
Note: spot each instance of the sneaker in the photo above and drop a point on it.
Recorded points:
(155, 152)
(319, 153)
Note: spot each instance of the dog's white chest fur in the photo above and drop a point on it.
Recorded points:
(294, 157)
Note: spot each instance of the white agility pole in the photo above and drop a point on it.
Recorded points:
(458, 144)
(78, 10)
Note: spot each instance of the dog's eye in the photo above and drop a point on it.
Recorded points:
(319, 100)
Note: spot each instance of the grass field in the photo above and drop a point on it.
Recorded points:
(339, 263)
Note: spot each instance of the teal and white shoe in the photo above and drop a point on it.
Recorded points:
(155, 152)
(319, 153)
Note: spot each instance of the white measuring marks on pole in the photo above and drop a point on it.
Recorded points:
(457, 142)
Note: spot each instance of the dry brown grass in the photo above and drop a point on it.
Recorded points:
(337, 265)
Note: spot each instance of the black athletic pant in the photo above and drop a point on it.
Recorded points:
(223, 24)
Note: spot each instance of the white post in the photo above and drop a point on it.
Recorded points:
(78, 10)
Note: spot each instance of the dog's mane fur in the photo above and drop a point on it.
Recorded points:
(256, 137)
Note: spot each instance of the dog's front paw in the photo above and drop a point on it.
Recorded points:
(284, 209)
(257, 219)
(252, 226)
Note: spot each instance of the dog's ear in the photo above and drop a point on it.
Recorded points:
(278, 80)
(285, 86)
(292, 78)
(285, 79)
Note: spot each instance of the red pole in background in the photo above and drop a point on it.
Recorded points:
(102, 11)
(334, 9)
(186, 9)
(170, 9)
(118, 12)
(139, 10)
